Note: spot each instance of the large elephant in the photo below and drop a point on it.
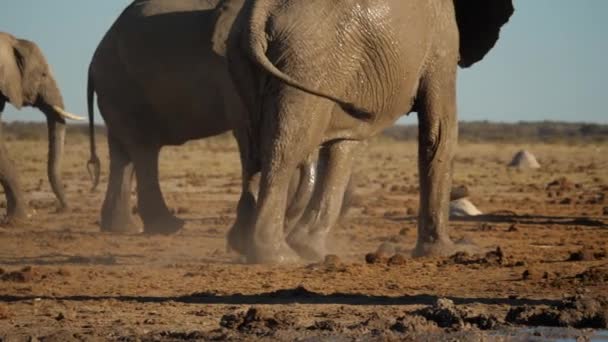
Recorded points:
(333, 73)
(161, 79)
(26, 80)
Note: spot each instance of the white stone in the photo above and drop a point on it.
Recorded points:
(524, 160)
(463, 208)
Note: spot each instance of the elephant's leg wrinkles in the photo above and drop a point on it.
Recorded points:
(301, 189)
(285, 143)
(16, 209)
(438, 135)
(116, 210)
(309, 238)
(152, 207)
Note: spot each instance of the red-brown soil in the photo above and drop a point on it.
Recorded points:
(544, 239)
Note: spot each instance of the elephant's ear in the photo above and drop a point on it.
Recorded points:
(10, 74)
(479, 23)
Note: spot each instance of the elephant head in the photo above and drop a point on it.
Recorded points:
(26, 80)
(479, 23)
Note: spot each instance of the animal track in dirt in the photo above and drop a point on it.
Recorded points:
(577, 312)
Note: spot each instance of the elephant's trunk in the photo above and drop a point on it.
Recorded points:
(56, 128)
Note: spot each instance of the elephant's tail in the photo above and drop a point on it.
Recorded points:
(93, 165)
(257, 46)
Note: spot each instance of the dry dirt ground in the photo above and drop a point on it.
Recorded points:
(547, 230)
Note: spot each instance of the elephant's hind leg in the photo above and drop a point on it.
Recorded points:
(116, 210)
(437, 139)
(152, 207)
(309, 238)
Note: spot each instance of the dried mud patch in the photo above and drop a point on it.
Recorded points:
(577, 312)
(257, 321)
(447, 315)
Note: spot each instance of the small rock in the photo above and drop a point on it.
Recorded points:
(376, 258)
(524, 160)
(24, 275)
(463, 208)
(513, 228)
(585, 254)
(397, 259)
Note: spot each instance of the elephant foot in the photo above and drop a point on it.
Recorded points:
(17, 218)
(237, 240)
(62, 209)
(124, 225)
(309, 246)
(280, 253)
(444, 248)
(165, 225)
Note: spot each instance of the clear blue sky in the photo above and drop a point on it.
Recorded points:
(550, 64)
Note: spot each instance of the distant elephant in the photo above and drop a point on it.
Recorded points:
(26, 80)
(334, 73)
(161, 79)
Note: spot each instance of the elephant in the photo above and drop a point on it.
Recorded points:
(161, 79)
(26, 80)
(331, 74)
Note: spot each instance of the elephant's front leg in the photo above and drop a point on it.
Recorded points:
(309, 238)
(116, 216)
(16, 208)
(151, 205)
(437, 139)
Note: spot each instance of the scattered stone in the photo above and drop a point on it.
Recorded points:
(585, 254)
(534, 274)
(376, 258)
(24, 275)
(463, 208)
(397, 259)
(593, 275)
(492, 258)
(577, 312)
(524, 160)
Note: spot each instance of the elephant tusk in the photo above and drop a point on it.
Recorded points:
(67, 115)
